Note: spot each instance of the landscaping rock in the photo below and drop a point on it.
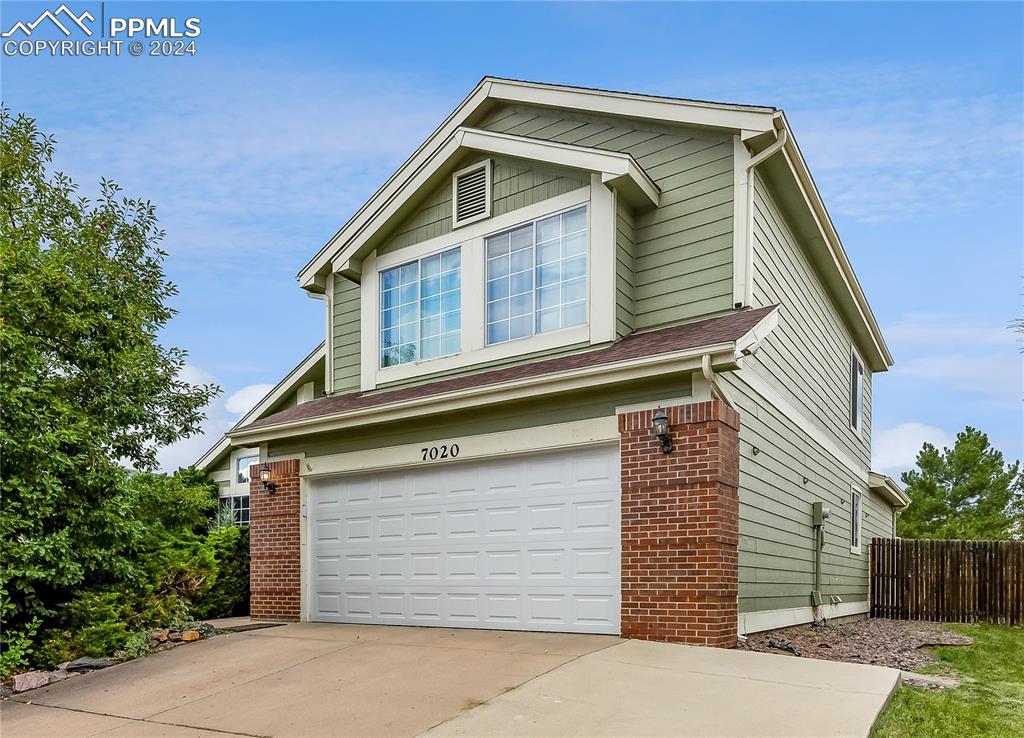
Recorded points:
(59, 676)
(190, 635)
(88, 663)
(174, 636)
(30, 680)
(159, 635)
(5, 692)
(207, 630)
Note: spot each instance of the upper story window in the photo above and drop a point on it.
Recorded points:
(537, 277)
(420, 309)
(242, 465)
(856, 392)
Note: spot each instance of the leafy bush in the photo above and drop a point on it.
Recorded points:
(230, 592)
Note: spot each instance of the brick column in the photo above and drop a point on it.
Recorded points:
(680, 526)
(274, 568)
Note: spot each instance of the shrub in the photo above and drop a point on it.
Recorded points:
(229, 594)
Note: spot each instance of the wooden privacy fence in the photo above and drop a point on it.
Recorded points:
(948, 581)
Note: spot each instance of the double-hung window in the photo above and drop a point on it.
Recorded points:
(421, 309)
(537, 277)
(856, 392)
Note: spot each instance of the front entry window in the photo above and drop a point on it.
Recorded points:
(421, 309)
(537, 277)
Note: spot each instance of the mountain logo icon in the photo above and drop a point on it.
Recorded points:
(63, 13)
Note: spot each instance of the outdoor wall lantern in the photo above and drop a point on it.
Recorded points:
(660, 423)
(265, 478)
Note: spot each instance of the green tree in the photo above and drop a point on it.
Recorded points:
(965, 492)
(87, 391)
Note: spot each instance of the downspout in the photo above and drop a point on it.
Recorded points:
(712, 379)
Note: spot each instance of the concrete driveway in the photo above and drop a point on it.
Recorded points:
(308, 679)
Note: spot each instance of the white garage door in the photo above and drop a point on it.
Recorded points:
(519, 543)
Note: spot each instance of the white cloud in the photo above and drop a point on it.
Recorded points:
(246, 398)
(195, 375)
(894, 450)
(994, 375)
(935, 329)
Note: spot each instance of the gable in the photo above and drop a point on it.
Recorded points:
(515, 184)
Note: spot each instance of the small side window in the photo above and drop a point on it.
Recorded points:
(855, 517)
(856, 392)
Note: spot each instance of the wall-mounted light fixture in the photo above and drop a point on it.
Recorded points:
(660, 423)
(268, 485)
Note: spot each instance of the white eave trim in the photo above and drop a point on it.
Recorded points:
(283, 388)
(816, 206)
(724, 357)
(717, 116)
(579, 378)
(888, 488)
(618, 171)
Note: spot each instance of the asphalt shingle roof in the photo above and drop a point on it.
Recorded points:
(722, 329)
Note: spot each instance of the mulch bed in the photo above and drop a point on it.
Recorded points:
(893, 643)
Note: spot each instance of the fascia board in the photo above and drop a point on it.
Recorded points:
(840, 261)
(615, 169)
(613, 166)
(629, 105)
(672, 362)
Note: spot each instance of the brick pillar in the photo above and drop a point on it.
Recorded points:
(274, 568)
(680, 526)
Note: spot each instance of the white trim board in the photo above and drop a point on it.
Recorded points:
(481, 446)
(808, 425)
(754, 622)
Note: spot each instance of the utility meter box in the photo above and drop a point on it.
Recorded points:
(819, 514)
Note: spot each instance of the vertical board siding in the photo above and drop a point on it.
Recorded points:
(515, 184)
(776, 553)
(345, 306)
(948, 581)
(625, 277)
(683, 249)
(807, 358)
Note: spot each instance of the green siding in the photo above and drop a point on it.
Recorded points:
(683, 249)
(807, 358)
(625, 275)
(776, 555)
(510, 416)
(346, 334)
(515, 184)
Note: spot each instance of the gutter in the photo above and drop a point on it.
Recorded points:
(712, 379)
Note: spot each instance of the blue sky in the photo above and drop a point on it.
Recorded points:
(290, 115)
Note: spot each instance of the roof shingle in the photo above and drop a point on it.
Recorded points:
(722, 329)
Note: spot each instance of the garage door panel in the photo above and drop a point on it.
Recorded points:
(519, 543)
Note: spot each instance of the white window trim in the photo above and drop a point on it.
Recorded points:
(486, 166)
(859, 427)
(855, 490)
(233, 489)
(600, 326)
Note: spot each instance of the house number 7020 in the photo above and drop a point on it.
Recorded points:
(444, 451)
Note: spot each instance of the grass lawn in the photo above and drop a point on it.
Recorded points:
(990, 702)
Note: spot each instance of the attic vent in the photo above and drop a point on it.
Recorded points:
(472, 193)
